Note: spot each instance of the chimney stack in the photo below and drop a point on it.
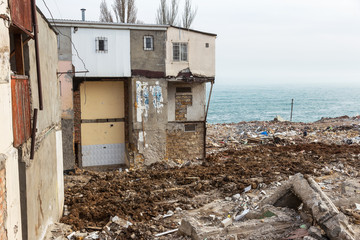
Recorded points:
(83, 14)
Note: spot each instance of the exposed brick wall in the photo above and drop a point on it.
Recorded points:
(181, 103)
(3, 234)
(184, 145)
(77, 117)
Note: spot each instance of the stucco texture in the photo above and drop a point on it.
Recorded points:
(150, 60)
(201, 59)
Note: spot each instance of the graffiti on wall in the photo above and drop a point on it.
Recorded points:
(157, 97)
(145, 94)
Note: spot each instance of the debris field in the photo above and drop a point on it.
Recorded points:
(246, 163)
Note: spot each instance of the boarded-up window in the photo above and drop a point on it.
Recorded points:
(21, 112)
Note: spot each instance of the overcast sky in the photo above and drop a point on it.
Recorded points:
(264, 41)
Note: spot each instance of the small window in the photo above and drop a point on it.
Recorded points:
(207, 45)
(101, 44)
(190, 127)
(148, 43)
(183, 89)
(180, 52)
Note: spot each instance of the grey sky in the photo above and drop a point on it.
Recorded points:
(265, 41)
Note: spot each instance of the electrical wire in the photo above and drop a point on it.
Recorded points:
(72, 43)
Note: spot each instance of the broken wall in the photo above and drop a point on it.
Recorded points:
(42, 178)
(189, 105)
(185, 141)
(10, 217)
(149, 63)
(201, 52)
(148, 119)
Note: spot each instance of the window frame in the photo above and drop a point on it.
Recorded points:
(180, 55)
(97, 45)
(151, 48)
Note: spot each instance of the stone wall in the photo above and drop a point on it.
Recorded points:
(181, 103)
(185, 145)
(3, 208)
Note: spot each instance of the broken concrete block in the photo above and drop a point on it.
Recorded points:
(322, 209)
(226, 222)
(236, 197)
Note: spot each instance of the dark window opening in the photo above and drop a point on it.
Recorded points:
(148, 43)
(183, 89)
(190, 127)
(101, 44)
(207, 45)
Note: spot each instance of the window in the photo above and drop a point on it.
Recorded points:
(180, 52)
(101, 44)
(148, 43)
(207, 45)
(183, 90)
(190, 128)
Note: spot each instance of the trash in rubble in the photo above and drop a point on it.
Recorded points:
(168, 214)
(248, 188)
(267, 214)
(357, 207)
(165, 233)
(70, 235)
(226, 222)
(264, 133)
(92, 236)
(278, 118)
(243, 214)
(236, 197)
(121, 222)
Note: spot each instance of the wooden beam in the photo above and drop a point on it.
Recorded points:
(19, 54)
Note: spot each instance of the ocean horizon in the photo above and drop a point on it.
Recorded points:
(233, 104)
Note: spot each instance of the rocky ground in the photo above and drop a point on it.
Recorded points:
(246, 163)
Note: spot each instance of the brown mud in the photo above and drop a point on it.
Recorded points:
(139, 196)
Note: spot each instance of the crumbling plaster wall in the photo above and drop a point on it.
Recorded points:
(67, 111)
(43, 174)
(148, 118)
(149, 60)
(195, 111)
(10, 216)
(201, 59)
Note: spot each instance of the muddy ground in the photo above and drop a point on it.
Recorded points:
(142, 196)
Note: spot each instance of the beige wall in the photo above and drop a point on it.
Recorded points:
(50, 83)
(201, 60)
(8, 154)
(102, 133)
(44, 189)
(66, 90)
(106, 101)
(195, 112)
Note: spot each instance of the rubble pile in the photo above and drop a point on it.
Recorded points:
(286, 186)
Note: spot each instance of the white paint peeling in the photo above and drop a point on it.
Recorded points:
(158, 99)
(142, 100)
(142, 136)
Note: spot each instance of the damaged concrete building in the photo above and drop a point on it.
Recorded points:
(31, 164)
(133, 94)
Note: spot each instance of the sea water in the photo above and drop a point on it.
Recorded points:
(263, 102)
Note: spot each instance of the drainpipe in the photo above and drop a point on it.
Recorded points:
(206, 113)
(37, 55)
